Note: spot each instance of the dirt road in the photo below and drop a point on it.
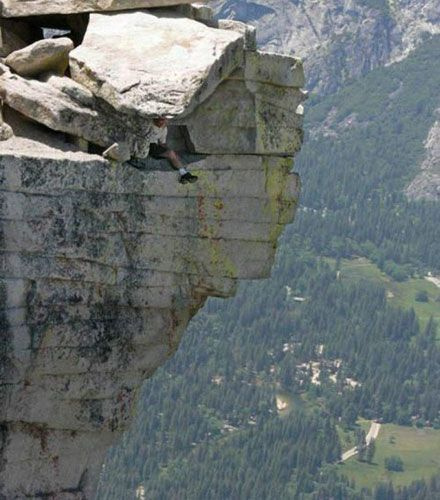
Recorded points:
(371, 436)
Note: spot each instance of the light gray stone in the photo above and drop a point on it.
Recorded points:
(249, 32)
(69, 87)
(278, 129)
(102, 265)
(45, 55)
(17, 8)
(186, 61)
(248, 117)
(198, 11)
(426, 185)
(257, 110)
(5, 131)
(59, 104)
(277, 69)
(102, 268)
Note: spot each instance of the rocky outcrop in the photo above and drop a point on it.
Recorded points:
(103, 263)
(256, 110)
(102, 268)
(426, 185)
(21, 8)
(186, 61)
(65, 106)
(41, 56)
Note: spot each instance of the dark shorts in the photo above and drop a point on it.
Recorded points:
(157, 151)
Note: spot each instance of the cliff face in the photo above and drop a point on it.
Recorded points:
(426, 184)
(103, 263)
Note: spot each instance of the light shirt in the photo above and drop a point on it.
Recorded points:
(159, 135)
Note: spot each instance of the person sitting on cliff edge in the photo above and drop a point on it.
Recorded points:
(159, 149)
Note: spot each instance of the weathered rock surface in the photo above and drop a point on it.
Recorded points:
(426, 185)
(63, 105)
(43, 55)
(186, 61)
(276, 69)
(257, 110)
(248, 31)
(198, 11)
(101, 270)
(102, 264)
(5, 131)
(18, 8)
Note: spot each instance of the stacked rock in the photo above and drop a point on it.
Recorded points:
(102, 265)
(21, 8)
(130, 67)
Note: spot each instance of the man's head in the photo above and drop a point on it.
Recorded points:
(161, 121)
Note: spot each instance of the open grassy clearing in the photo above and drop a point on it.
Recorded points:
(418, 448)
(348, 437)
(400, 294)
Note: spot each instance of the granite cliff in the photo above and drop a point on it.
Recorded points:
(104, 261)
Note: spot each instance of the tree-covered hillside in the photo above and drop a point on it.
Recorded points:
(366, 145)
(254, 404)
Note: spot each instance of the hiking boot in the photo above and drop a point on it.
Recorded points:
(188, 177)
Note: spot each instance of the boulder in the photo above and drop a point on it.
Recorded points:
(153, 64)
(59, 103)
(70, 87)
(205, 14)
(252, 116)
(198, 11)
(19, 8)
(277, 69)
(249, 32)
(45, 55)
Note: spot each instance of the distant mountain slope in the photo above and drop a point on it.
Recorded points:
(426, 184)
(364, 147)
(339, 39)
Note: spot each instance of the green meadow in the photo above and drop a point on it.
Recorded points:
(402, 294)
(418, 448)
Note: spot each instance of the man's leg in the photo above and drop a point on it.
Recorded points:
(173, 158)
(177, 164)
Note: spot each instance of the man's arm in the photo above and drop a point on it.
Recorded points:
(162, 140)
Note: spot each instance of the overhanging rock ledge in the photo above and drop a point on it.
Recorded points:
(103, 264)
